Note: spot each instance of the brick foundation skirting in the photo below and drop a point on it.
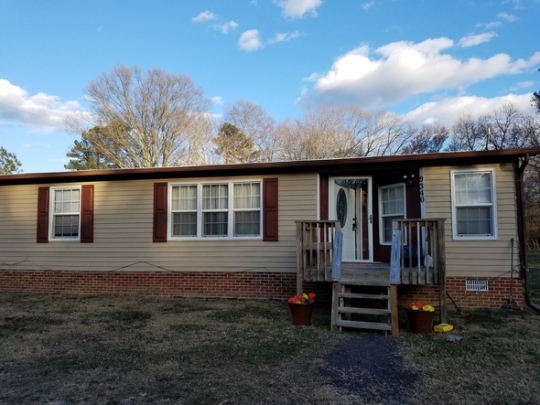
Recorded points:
(201, 284)
(189, 284)
(236, 285)
(498, 294)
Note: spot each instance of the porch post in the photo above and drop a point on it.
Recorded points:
(299, 262)
(441, 266)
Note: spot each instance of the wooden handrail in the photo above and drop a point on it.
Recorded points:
(315, 241)
(418, 255)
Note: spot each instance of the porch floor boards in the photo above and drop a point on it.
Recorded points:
(369, 274)
(374, 274)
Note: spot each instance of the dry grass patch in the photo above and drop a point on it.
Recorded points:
(497, 362)
(63, 349)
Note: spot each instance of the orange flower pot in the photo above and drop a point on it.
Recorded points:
(420, 321)
(301, 313)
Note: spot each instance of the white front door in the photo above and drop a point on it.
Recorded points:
(350, 204)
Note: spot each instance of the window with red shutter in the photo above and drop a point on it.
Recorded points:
(216, 210)
(65, 213)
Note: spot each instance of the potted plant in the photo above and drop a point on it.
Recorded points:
(302, 308)
(420, 315)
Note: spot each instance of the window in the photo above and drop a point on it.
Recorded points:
(473, 204)
(65, 213)
(220, 210)
(391, 206)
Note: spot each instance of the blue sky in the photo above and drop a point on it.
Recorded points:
(427, 60)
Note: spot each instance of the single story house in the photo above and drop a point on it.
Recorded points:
(231, 230)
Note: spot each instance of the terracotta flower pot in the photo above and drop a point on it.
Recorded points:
(301, 313)
(420, 321)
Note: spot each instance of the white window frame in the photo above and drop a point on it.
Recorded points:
(382, 215)
(53, 214)
(230, 211)
(493, 205)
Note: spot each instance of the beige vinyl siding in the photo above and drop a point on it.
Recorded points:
(475, 258)
(123, 224)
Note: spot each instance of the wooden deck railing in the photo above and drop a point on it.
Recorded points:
(315, 244)
(419, 256)
(419, 244)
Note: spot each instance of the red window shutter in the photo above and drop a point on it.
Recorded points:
(87, 214)
(43, 215)
(160, 212)
(270, 210)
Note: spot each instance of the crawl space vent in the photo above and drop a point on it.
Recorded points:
(476, 285)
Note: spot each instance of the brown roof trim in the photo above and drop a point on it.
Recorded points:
(328, 166)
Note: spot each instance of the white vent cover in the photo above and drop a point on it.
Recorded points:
(476, 285)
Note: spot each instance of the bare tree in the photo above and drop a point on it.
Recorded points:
(536, 100)
(256, 125)
(320, 134)
(346, 131)
(430, 138)
(149, 119)
(507, 128)
(386, 134)
(467, 134)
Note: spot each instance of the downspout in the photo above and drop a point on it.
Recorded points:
(523, 266)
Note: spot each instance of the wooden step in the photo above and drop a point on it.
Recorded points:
(367, 296)
(364, 325)
(366, 311)
(370, 281)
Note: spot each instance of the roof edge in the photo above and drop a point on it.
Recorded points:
(320, 165)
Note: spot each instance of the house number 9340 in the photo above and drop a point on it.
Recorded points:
(421, 185)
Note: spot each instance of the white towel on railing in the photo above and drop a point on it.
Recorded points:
(428, 261)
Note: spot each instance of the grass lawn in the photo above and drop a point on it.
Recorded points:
(66, 349)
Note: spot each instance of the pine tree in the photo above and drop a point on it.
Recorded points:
(234, 146)
(8, 162)
(85, 156)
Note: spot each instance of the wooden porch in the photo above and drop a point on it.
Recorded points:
(364, 294)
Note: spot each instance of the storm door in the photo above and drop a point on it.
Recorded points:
(350, 204)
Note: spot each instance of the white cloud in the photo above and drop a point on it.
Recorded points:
(249, 41)
(476, 39)
(521, 86)
(284, 37)
(447, 111)
(507, 17)
(223, 27)
(524, 85)
(298, 8)
(368, 5)
(490, 25)
(204, 16)
(218, 100)
(402, 70)
(39, 112)
(226, 27)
